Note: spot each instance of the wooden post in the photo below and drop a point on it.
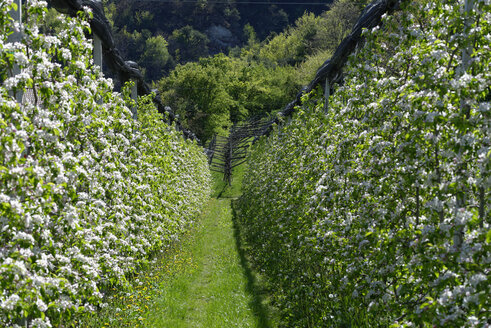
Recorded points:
(466, 53)
(327, 94)
(465, 110)
(16, 37)
(134, 96)
(211, 149)
(97, 53)
(229, 161)
(97, 50)
(97, 43)
(17, 16)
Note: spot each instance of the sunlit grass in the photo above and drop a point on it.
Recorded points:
(215, 295)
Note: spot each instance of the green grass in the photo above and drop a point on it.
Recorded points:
(217, 293)
(205, 281)
(220, 187)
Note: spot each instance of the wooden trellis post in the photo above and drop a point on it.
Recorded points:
(211, 149)
(16, 37)
(97, 53)
(97, 43)
(466, 53)
(134, 96)
(327, 94)
(465, 110)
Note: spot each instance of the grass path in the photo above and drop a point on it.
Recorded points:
(203, 281)
(221, 290)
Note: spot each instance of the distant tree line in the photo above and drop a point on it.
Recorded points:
(217, 63)
(260, 77)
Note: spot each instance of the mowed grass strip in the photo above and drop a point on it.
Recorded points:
(216, 293)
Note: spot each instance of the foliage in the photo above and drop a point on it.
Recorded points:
(311, 35)
(189, 26)
(306, 71)
(87, 194)
(215, 92)
(377, 212)
(151, 52)
(293, 45)
(188, 44)
(258, 79)
(335, 24)
(201, 15)
(132, 44)
(156, 58)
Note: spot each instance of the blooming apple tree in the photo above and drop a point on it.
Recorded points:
(87, 194)
(377, 211)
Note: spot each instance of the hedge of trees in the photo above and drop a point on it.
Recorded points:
(378, 208)
(87, 193)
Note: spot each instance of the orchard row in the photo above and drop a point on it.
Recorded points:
(375, 210)
(87, 194)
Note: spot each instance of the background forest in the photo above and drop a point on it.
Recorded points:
(216, 63)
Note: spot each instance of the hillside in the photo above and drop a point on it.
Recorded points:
(221, 22)
(259, 78)
(162, 33)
